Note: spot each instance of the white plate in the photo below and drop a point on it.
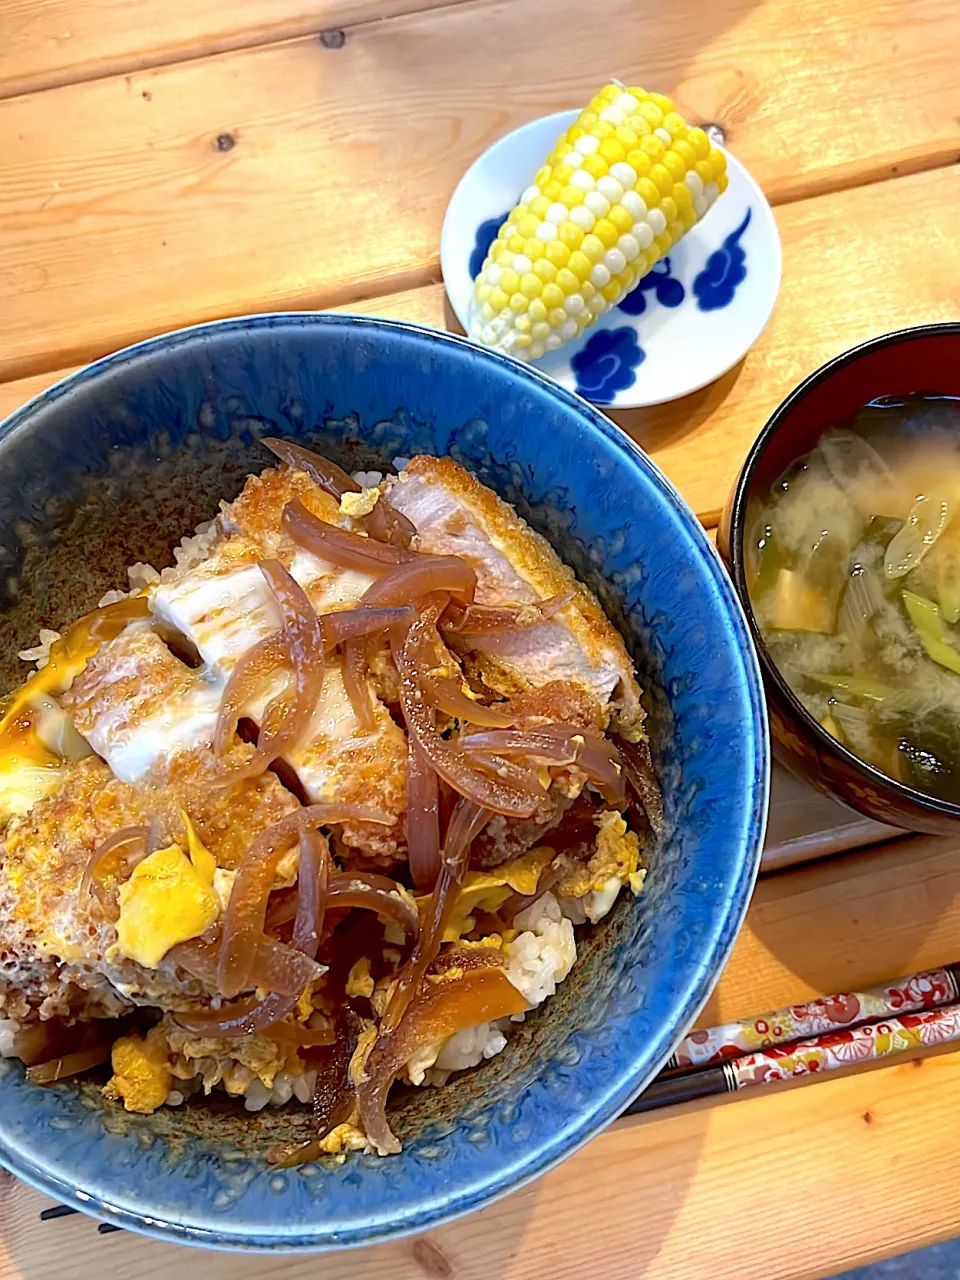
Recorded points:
(688, 321)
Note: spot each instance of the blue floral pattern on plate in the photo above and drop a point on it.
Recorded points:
(486, 234)
(666, 288)
(607, 364)
(726, 269)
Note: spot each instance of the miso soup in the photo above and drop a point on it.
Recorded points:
(853, 567)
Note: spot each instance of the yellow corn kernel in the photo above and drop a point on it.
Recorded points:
(558, 253)
(674, 124)
(592, 250)
(518, 303)
(652, 255)
(527, 225)
(704, 170)
(640, 162)
(674, 165)
(589, 117)
(553, 294)
(610, 91)
(530, 285)
(677, 230)
(570, 235)
(723, 182)
(648, 192)
(718, 161)
(544, 270)
(556, 317)
(612, 290)
(571, 197)
(662, 179)
(629, 137)
(641, 127)
(537, 310)
(595, 165)
(612, 150)
(543, 175)
(682, 148)
(539, 206)
(509, 282)
(651, 113)
(606, 233)
(664, 242)
(587, 290)
(700, 143)
(620, 219)
(499, 299)
(522, 324)
(540, 331)
(666, 106)
(567, 282)
(688, 216)
(681, 195)
(552, 190)
(562, 173)
(522, 340)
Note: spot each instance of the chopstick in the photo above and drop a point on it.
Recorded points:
(919, 991)
(925, 1017)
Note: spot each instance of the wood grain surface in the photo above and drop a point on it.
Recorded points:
(53, 42)
(294, 175)
(792, 1182)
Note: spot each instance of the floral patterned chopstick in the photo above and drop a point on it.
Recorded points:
(918, 992)
(867, 1043)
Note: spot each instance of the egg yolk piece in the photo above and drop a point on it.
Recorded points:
(167, 900)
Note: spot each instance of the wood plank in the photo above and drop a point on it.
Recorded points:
(805, 825)
(798, 1182)
(843, 924)
(120, 215)
(53, 42)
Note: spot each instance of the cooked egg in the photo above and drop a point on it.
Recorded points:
(141, 1075)
(166, 901)
(488, 890)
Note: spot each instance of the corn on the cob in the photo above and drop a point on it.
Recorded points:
(626, 181)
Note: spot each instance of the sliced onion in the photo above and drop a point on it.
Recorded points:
(321, 470)
(387, 524)
(482, 993)
(339, 546)
(560, 744)
(526, 780)
(447, 696)
(353, 624)
(137, 838)
(71, 1064)
(638, 767)
(529, 743)
(419, 577)
(485, 620)
(243, 919)
(467, 822)
(374, 893)
(446, 757)
(355, 682)
(333, 1095)
(275, 966)
(247, 678)
(423, 818)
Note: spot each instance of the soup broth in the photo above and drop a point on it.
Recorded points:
(853, 567)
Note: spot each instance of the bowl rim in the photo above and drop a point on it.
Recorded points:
(737, 507)
(606, 1103)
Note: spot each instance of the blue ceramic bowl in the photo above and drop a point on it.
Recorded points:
(113, 465)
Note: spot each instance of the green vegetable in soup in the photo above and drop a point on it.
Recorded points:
(925, 616)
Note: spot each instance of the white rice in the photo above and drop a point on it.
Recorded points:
(40, 654)
(543, 954)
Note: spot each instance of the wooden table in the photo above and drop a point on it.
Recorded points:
(171, 161)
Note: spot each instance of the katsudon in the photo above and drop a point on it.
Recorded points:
(318, 807)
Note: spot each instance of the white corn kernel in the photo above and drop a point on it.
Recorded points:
(583, 218)
(574, 304)
(643, 234)
(558, 214)
(585, 181)
(694, 184)
(635, 205)
(522, 264)
(610, 188)
(625, 174)
(656, 221)
(599, 276)
(596, 203)
(627, 244)
(614, 261)
(546, 232)
(586, 145)
(531, 193)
